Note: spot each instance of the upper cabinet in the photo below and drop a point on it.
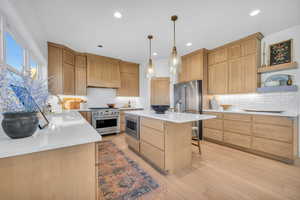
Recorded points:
(103, 71)
(80, 75)
(240, 60)
(129, 79)
(160, 90)
(193, 65)
(61, 70)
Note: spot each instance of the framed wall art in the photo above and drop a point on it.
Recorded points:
(281, 52)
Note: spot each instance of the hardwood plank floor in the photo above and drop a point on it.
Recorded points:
(222, 173)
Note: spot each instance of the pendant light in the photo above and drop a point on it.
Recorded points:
(150, 69)
(175, 58)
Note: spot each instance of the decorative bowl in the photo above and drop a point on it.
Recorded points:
(160, 109)
(20, 124)
(111, 105)
(226, 106)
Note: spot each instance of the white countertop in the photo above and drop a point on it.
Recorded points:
(282, 114)
(172, 116)
(65, 129)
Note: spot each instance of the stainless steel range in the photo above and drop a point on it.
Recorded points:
(106, 120)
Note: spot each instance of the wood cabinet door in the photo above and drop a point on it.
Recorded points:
(221, 55)
(234, 51)
(250, 73)
(129, 79)
(211, 58)
(68, 79)
(218, 78)
(249, 46)
(129, 85)
(236, 76)
(80, 75)
(93, 72)
(68, 57)
(80, 81)
(160, 90)
(184, 69)
(195, 67)
(55, 72)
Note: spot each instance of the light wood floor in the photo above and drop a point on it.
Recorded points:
(223, 173)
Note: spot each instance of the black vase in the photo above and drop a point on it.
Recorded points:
(20, 124)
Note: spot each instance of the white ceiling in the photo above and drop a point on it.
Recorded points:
(83, 24)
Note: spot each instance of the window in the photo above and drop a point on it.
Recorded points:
(33, 67)
(14, 53)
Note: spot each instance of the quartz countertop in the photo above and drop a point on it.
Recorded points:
(65, 129)
(282, 114)
(89, 110)
(173, 117)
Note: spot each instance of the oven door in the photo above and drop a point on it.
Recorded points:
(132, 127)
(106, 124)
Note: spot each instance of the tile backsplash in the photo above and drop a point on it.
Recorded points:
(287, 101)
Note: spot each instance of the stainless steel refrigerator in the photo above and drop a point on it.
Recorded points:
(188, 98)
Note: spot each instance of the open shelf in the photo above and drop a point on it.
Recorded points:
(273, 68)
(286, 88)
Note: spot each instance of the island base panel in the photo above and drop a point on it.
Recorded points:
(66, 173)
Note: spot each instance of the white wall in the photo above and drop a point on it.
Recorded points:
(288, 101)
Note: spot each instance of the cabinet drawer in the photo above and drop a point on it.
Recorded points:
(237, 139)
(281, 121)
(272, 147)
(237, 126)
(153, 154)
(281, 133)
(214, 123)
(152, 123)
(218, 115)
(213, 134)
(238, 117)
(122, 127)
(133, 143)
(153, 136)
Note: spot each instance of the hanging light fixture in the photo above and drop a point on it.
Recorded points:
(150, 69)
(175, 59)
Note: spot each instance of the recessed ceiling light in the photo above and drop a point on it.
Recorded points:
(189, 44)
(117, 15)
(254, 12)
(155, 54)
(100, 46)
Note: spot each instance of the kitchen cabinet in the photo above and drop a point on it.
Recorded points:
(193, 66)
(80, 75)
(103, 71)
(160, 90)
(242, 60)
(218, 78)
(55, 74)
(270, 136)
(68, 79)
(61, 69)
(129, 79)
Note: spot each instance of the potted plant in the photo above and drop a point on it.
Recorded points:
(20, 100)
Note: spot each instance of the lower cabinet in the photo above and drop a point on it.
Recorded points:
(153, 154)
(237, 139)
(270, 136)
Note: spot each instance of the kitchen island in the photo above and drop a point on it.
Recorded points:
(165, 139)
(58, 162)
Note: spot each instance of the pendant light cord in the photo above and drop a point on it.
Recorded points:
(174, 34)
(150, 49)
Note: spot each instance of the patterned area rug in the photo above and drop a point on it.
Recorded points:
(121, 178)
